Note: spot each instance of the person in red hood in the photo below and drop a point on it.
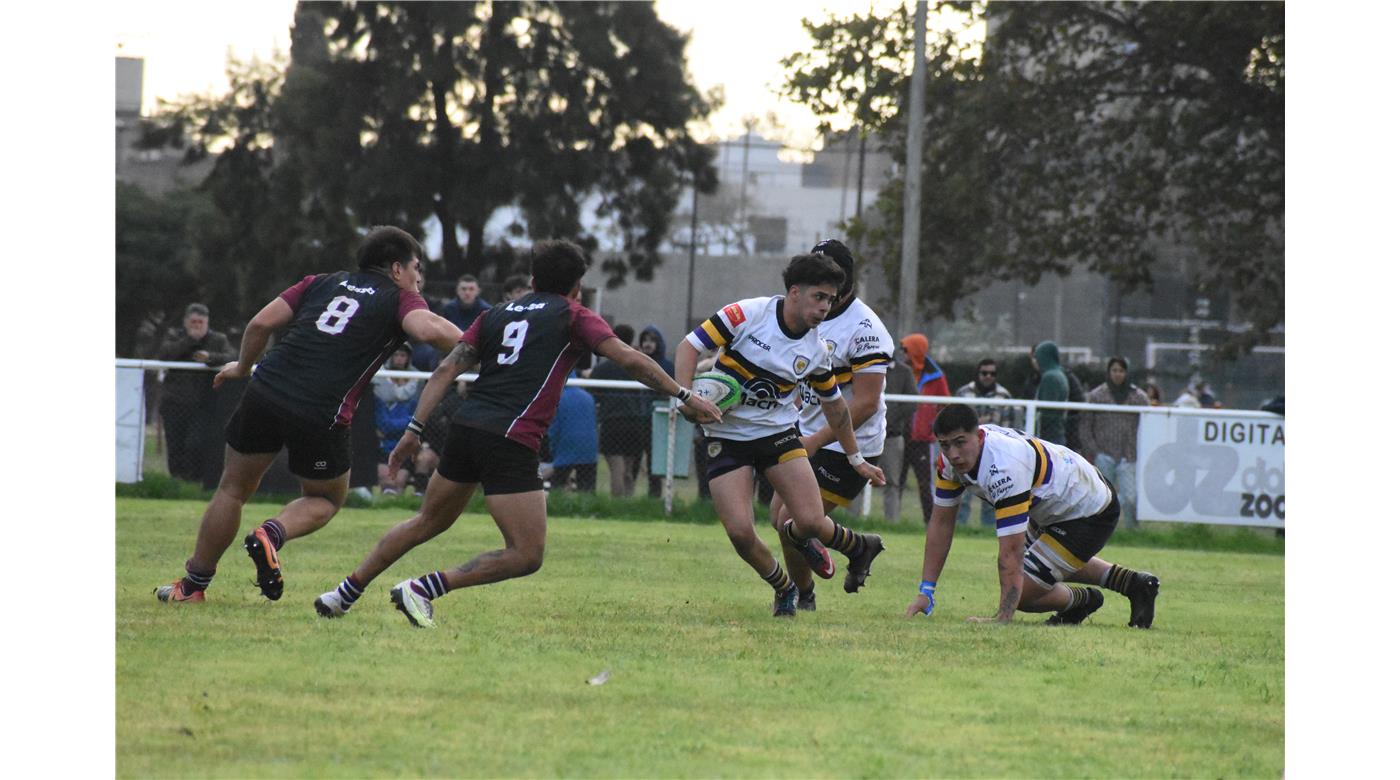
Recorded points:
(929, 380)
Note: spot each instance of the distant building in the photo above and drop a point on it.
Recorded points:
(154, 170)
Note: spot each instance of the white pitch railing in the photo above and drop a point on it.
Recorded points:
(1201, 459)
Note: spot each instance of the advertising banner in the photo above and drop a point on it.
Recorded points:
(1218, 470)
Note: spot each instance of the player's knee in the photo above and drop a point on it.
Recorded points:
(531, 559)
(742, 538)
(808, 525)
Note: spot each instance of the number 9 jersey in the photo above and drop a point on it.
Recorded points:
(344, 326)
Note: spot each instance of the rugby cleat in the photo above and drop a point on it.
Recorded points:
(330, 605)
(1142, 598)
(816, 555)
(175, 592)
(417, 609)
(859, 567)
(1075, 615)
(807, 602)
(269, 566)
(785, 602)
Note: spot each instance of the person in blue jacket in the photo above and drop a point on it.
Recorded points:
(573, 439)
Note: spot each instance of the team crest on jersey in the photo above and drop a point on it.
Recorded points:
(735, 313)
(830, 347)
(800, 363)
(714, 449)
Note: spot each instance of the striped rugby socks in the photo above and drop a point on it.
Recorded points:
(778, 578)
(431, 586)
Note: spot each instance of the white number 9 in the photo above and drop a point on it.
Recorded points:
(513, 339)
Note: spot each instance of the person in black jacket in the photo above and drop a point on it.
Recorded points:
(186, 395)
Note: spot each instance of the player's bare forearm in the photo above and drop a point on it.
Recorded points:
(461, 359)
(838, 419)
(255, 338)
(1009, 558)
(645, 370)
(865, 400)
(686, 358)
(938, 540)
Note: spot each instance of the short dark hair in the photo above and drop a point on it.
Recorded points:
(954, 418)
(986, 362)
(467, 278)
(806, 270)
(1122, 361)
(385, 245)
(557, 265)
(842, 255)
(197, 308)
(515, 282)
(626, 333)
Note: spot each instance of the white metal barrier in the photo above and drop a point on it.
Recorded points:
(1216, 466)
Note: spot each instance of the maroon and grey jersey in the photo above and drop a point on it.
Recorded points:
(344, 326)
(527, 349)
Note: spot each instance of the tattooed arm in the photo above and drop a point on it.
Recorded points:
(838, 418)
(461, 359)
(1010, 553)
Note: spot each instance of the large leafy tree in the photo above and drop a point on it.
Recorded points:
(408, 111)
(1085, 134)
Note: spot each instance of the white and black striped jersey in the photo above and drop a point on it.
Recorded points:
(859, 343)
(768, 360)
(1025, 478)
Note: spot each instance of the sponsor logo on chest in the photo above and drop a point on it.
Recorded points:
(353, 288)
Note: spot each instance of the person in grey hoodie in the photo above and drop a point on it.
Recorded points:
(1054, 386)
(652, 344)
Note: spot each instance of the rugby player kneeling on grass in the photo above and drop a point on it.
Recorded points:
(1054, 512)
(525, 348)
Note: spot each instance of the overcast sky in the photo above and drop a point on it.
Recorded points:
(734, 43)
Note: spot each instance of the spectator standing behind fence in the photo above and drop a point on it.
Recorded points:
(985, 385)
(394, 401)
(186, 397)
(461, 310)
(624, 418)
(919, 451)
(652, 344)
(573, 440)
(1190, 396)
(1153, 392)
(1109, 439)
(899, 380)
(1053, 386)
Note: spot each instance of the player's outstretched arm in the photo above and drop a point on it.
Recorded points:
(277, 314)
(423, 325)
(838, 418)
(645, 370)
(461, 359)
(1010, 554)
(687, 357)
(938, 540)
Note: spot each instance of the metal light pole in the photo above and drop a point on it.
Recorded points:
(913, 177)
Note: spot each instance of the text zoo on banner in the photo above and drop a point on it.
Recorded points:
(1220, 470)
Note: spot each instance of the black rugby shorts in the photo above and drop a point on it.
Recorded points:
(837, 478)
(761, 454)
(314, 451)
(499, 464)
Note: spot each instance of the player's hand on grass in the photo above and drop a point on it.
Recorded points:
(404, 451)
(699, 410)
(921, 605)
(229, 371)
(993, 619)
(872, 473)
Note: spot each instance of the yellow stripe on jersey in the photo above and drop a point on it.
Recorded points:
(715, 334)
(1022, 508)
(729, 362)
(824, 383)
(1042, 462)
(1065, 555)
(879, 360)
(946, 484)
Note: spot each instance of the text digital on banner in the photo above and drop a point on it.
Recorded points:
(1218, 470)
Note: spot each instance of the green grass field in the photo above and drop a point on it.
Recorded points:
(703, 681)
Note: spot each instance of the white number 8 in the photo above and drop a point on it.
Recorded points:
(514, 339)
(337, 315)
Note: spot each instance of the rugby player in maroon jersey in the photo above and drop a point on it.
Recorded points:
(525, 349)
(339, 329)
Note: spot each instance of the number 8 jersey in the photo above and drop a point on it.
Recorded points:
(344, 326)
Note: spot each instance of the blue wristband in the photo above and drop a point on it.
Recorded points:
(926, 588)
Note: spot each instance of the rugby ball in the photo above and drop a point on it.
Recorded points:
(718, 388)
